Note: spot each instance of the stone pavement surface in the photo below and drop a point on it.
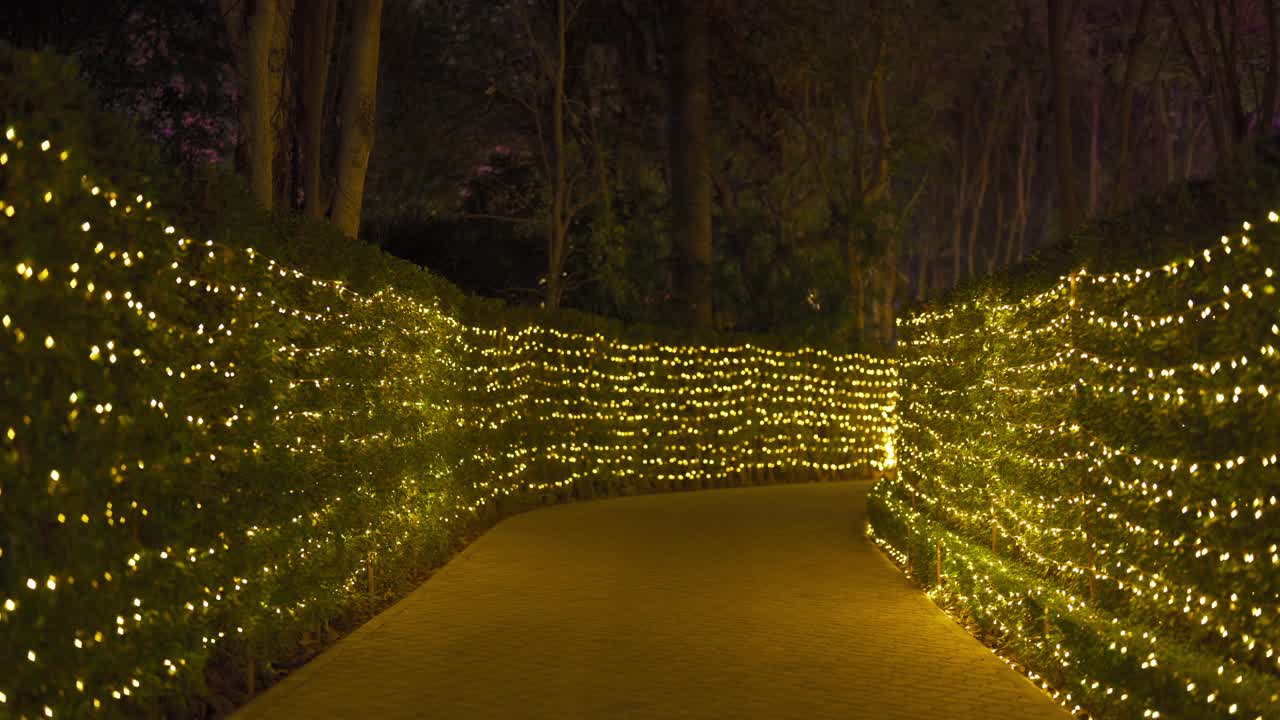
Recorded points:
(761, 602)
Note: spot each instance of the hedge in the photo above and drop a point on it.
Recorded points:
(219, 426)
(1087, 473)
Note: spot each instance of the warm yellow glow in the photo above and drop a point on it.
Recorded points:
(250, 442)
(1060, 467)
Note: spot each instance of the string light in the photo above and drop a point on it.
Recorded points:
(214, 448)
(1085, 477)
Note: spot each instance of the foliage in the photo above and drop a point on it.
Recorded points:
(209, 450)
(155, 62)
(1088, 469)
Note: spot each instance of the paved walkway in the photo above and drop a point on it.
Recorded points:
(747, 603)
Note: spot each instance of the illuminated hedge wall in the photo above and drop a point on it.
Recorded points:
(1087, 471)
(206, 451)
(601, 415)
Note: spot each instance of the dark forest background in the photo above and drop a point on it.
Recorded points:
(805, 168)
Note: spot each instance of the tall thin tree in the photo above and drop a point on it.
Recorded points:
(316, 29)
(1067, 198)
(252, 28)
(691, 188)
(359, 95)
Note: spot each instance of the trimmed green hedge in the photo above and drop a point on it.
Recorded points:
(218, 426)
(1088, 473)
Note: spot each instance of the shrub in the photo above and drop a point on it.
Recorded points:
(1091, 456)
(219, 425)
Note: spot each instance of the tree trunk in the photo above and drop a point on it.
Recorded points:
(887, 310)
(1062, 115)
(558, 230)
(1207, 76)
(608, 216)
(877, 286)
(1189, 159)
(926, 241)
(983, 180)
(859, 281)
(957, 235)
(1025, 173)
(251, 38)
(1267, 111)
(233, 17)
(283, 108)
(961, 200)
(316, 27)
(1124, 170)
(691, 195)
(922, 273)
(1095, 162)
(1003, 231)
(889, 226)
(1167, 139)
(1227, 44)
(359, 95)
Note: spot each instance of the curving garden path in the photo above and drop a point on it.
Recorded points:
(762, 602)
